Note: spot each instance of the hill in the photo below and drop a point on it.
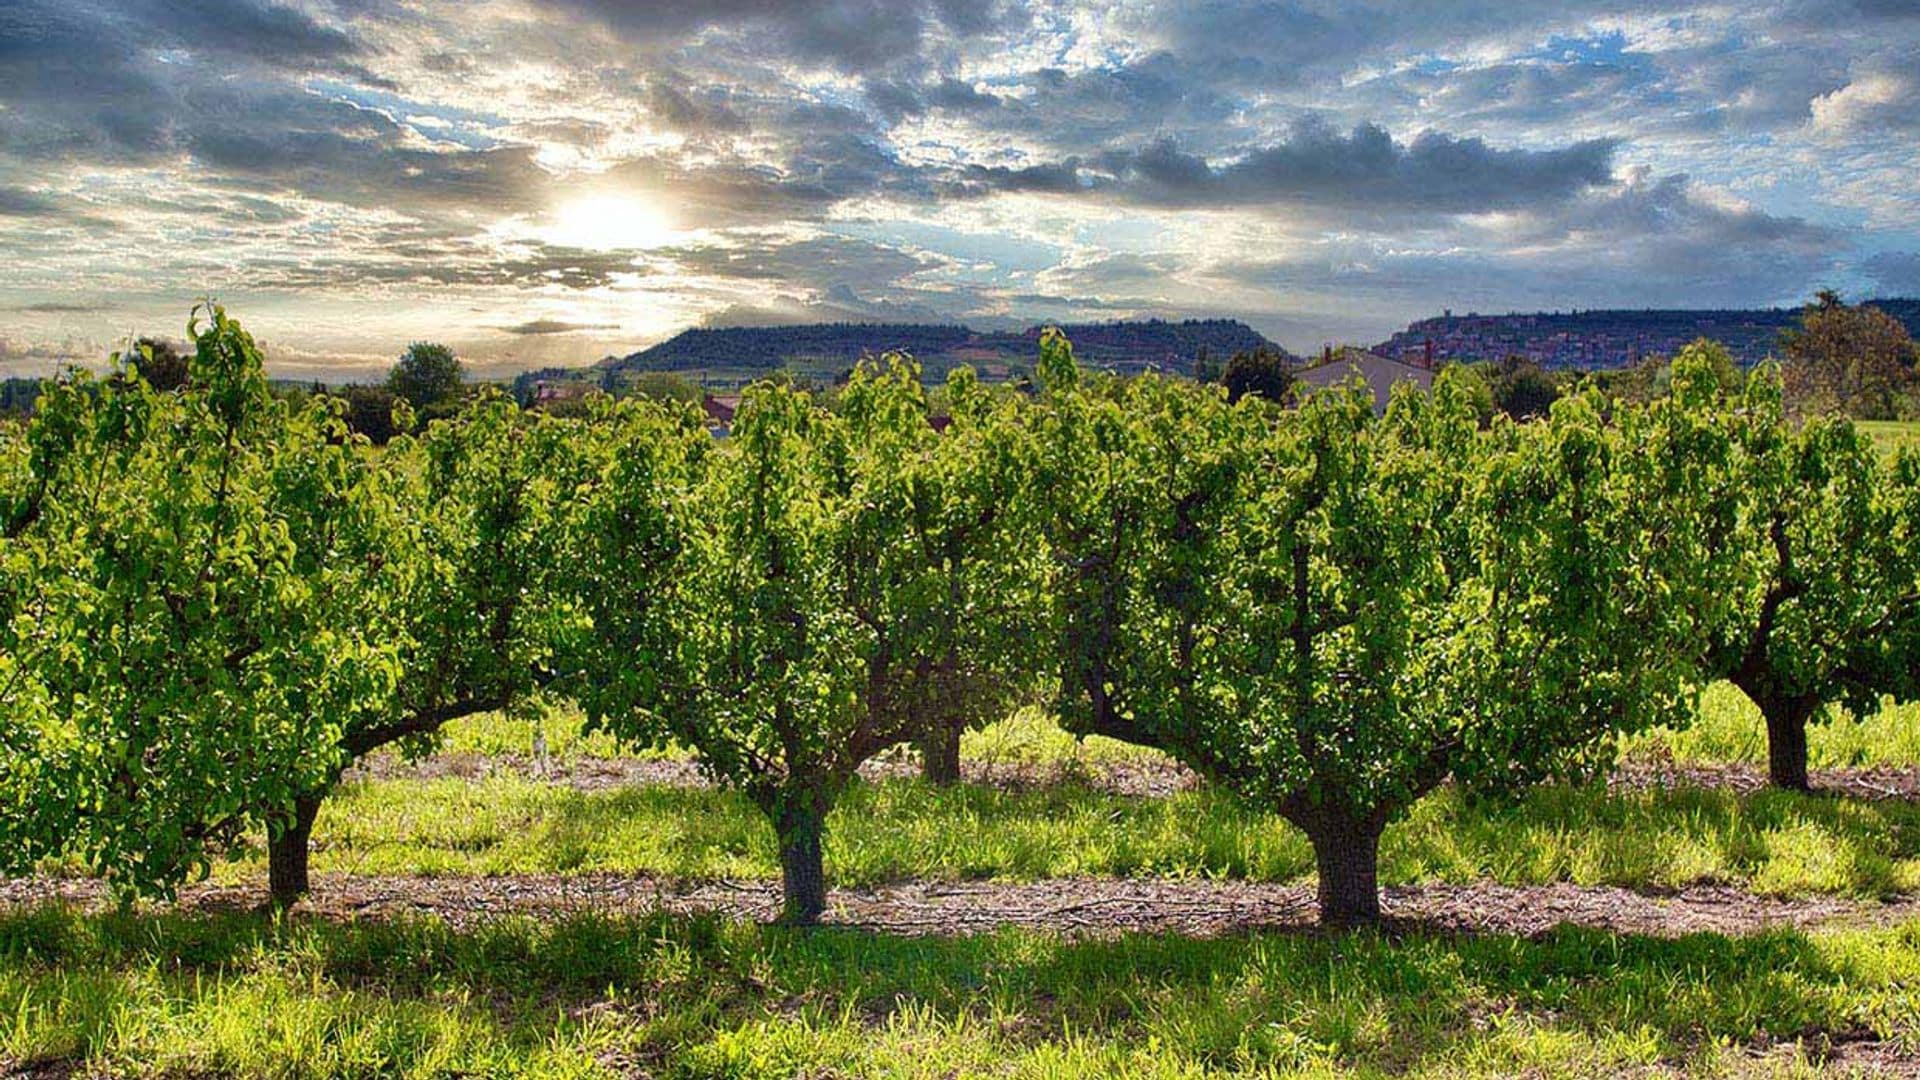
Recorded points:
(825, 350)
(1606, 338)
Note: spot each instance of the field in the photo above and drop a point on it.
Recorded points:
(1891, 435)
(596, 913)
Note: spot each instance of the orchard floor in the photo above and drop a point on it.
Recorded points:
(533, 989)
(1070, 910)
(1075, 907)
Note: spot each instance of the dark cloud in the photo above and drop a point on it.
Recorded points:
(1319, 167)
(898, 97)
(852, 35)
(678, 109)
(539, 327)
(1645, 242)
(19, 202)
(1895, 273)
(62, 308)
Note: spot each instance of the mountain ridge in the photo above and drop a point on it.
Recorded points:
(1124, 345)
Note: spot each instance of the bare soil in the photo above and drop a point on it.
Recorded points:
(1148, 778)
(1071, 906)
(1876, 784)
(1145, 779)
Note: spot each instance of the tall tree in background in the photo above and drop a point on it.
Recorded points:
(1857, 360)
(1262, 372)
(159, 362)
(427, 375)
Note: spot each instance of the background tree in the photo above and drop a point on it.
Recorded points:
(665, 386)
(370, 412)
(1329, 614)
(1857, 360)
(1206, 366)
(1521, 389)
(428, 376)
(159, 362)
(1262, 372)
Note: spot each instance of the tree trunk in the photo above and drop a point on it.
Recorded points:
(1787, 742)
(802, 870)
(940, 752)
(287, 850)
(1347, 853)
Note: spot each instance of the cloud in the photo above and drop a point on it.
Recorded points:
(21, 203)
(553, 326)
(1895, 273)
(850, 35)
(372, 171)
(1316, 166)
(1879, 102)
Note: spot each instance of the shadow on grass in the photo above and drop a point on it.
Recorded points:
(232, 992)
(897, 830)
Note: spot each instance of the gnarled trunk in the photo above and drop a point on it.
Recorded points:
(287, 851)
(940, 751)
(1787, 741)
(1346, 851)
(802, 830)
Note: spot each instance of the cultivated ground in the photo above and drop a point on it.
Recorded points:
(1071, 909)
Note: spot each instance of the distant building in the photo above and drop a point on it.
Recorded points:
(720, 412)
(1380, 374)
(547, 392)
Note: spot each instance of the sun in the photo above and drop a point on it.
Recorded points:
(608, 222)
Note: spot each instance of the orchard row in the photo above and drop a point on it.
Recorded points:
(213, 601)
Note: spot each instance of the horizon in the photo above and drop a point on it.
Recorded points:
(548, 182)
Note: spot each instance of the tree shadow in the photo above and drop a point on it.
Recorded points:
(1392, 1000)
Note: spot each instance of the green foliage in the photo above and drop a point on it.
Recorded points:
(427, 376)
(1816, 561)
(805, 595)
(1056, 371)
(1263, 372)
(169, 668)
(1331, 614)
(1858, 361)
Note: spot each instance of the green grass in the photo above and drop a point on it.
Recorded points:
(1029, 737)
(1891, 435)
(1729, 729)
(895, 830)
(233, 994)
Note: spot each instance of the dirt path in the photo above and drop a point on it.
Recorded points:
(1146, 779)
(1872, 785)
(1139, 779)
(1075, 906)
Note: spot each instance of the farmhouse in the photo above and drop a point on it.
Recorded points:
(1380, 374)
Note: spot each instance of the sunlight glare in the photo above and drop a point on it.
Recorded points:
(610, 223)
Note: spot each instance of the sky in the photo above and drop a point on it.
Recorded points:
(542, 182)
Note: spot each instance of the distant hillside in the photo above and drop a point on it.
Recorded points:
(830, 348)
(1604, 339)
